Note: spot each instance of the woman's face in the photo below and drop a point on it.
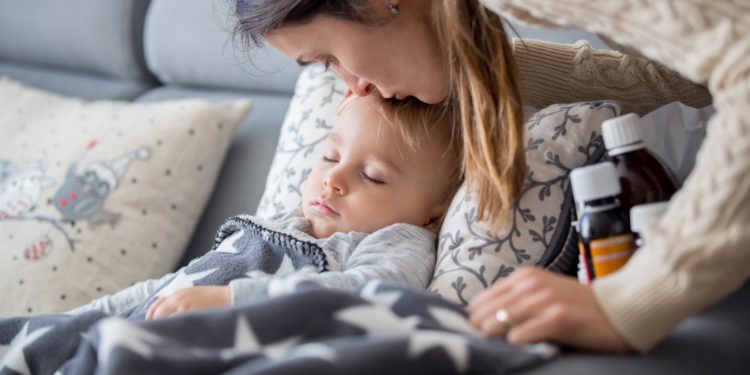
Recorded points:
(400, 58)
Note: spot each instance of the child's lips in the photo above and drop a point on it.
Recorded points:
(324, 208)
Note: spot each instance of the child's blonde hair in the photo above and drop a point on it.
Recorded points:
(414, 121)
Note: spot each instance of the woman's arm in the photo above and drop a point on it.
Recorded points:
(558, 73)
(697, 253)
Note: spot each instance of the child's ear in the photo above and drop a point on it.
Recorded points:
(433, 225)
(436, 218)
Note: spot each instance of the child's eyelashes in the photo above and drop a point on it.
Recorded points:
(329, 160)
(370, 179)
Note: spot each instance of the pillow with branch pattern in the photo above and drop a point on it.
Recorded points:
(538, 232)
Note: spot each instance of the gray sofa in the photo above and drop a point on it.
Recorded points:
(154, 50)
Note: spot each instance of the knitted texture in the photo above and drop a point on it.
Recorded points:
(560, 73)
(697, 253)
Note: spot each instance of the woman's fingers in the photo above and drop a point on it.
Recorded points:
(519, 304)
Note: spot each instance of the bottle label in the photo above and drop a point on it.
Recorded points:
(608, 254)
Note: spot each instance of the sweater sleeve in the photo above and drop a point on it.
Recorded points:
(399, 254)
(124, 300)
(557, 73)
(697, 253)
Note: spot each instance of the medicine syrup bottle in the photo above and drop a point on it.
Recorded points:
(642, 216)
(604, 236)
(643, 178)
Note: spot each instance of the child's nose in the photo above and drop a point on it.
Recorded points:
(334, 182)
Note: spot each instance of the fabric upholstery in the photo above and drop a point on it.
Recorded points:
(238, 188)
(189, 42)
(95, 36)
(97, 195)
(75, 83)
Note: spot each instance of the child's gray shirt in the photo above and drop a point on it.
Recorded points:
(401, 254)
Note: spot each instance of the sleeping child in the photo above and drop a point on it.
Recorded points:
(371, 209)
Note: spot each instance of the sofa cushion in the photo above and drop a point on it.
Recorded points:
(238, 188)
(97, 195)
(470, 255)
(75, 83)
(190, 42)
(95, 36)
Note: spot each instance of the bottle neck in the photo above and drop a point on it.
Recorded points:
(626, 148)
(601, 204)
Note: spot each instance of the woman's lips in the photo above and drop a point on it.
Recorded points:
(324, 208)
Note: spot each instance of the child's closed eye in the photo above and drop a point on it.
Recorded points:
(371, 180)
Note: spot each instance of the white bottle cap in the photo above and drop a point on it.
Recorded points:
(622, 134)
(594, 182)
(644, 214)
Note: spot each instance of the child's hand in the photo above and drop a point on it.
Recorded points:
(194, 298)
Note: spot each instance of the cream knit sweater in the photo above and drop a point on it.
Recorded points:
(699, 252)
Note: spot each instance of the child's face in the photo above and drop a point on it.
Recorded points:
(368, 178)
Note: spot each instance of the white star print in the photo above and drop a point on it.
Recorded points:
(314, 350)
(451, 320)
(12, 354)
(183, 280)
(117, 332)
(455, 347)
(376, 321)
(227, 245)
(286, 267)
(245, 342)
(388, 299)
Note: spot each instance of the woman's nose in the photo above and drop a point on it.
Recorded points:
(335, 182)
(359, 86)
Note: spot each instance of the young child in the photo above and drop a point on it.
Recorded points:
(372, 207)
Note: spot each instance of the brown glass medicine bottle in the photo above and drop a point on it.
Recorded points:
(643, 178)
(604, 236)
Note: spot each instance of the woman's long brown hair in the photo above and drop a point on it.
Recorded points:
(486, 97)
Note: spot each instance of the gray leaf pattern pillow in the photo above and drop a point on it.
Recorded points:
(470, 255)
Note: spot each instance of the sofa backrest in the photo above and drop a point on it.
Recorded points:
(189, 43)
(94, 36)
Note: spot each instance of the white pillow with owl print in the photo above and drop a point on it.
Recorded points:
(470, 255)
(95, 196)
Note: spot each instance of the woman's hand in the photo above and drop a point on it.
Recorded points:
(543, 306)
(194, 298)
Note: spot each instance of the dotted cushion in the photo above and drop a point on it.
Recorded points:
(470, 255)
(95, 196)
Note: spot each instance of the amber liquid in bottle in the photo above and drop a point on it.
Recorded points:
(605, 240)
(643, 179)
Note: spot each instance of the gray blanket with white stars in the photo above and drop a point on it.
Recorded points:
(299, 326)
(306, 328)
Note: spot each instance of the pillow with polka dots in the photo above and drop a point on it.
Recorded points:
(471, 256)
(98, 195)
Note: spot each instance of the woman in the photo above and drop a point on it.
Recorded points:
(456, 52)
